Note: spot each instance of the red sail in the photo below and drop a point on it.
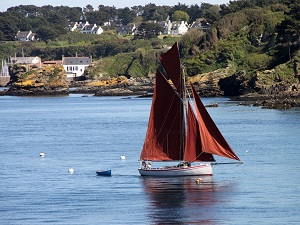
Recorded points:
(212, 140)
(171, 63)
(164, 138)
(193, 150)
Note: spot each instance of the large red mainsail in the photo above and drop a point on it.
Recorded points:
(164, 139)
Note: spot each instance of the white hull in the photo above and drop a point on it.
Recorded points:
(199, 170)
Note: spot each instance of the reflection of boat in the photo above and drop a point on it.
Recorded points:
(176, 130)
(179, 200)
(103, 172)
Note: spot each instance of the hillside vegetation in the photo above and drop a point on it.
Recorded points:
(259, 39)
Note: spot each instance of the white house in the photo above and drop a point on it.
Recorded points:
(25, 60)
(75, 66)
(91, 29)
(78, 26)
(166, 25)
(173, 28)
(202, 24)
(128, 29)
(179, 28)
(25, 36)
(86, 28)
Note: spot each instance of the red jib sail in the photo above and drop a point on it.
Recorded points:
(212, 140)
(193, 149)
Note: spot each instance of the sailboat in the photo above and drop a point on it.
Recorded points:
(179, 130)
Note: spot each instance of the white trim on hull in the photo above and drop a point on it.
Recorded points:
(199, 170)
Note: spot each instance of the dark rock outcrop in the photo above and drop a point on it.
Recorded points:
(237, 84)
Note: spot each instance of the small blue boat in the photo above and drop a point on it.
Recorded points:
(103, 172)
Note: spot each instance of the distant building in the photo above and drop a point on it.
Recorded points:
(179, 28)
(77, 26)
(25, 60)
(86, 28)
(4, 72)
(201, 23)
(91, 29)
(126, 29)
(166, 25)
(75, 66)
(172, 28)
(52, 62)
(25, 36)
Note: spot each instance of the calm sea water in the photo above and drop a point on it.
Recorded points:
(91, 133)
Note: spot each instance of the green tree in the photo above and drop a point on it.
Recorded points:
(194, 12)
(88, 8)
(126, 15)
(102, 15)
(9, 27)
(289, 31)
(46, 33)
(180, 16)
(151, 12)
(212, 13)
(148, 30)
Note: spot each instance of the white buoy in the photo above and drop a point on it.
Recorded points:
(198, 181)
(123, 157)
(42, 154)
(71, 170)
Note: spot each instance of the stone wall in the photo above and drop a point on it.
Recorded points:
(4, 81)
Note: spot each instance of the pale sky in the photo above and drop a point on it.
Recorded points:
(5, 4)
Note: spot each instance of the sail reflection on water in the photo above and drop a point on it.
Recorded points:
(180, 200)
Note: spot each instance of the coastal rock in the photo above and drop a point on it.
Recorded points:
(268, 102)
(49, 80)
(207, 84)
(280, 103)
(113, 92)
(221, 83)
(114, 86)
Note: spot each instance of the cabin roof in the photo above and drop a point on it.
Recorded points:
(77, 61)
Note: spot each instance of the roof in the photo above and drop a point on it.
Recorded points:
(196, 25)
(76, 61)
(25, 60)
(126, 28)
(23, 34)
(88, 27)
(59, 62)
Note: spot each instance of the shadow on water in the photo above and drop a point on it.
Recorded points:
(181, 200)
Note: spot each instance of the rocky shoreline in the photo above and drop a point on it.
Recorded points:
(269, 101)
(283, 101)
(270, 92)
